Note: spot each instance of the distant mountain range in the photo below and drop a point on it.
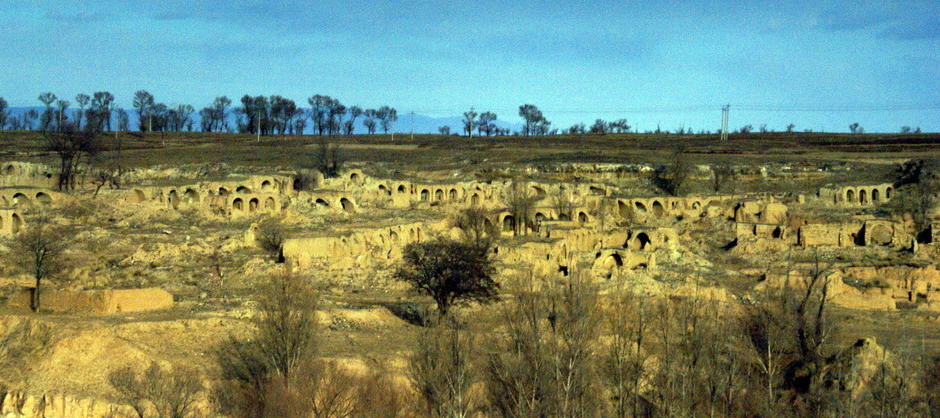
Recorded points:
(423, 124)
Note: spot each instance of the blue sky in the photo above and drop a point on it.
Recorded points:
(650, 62)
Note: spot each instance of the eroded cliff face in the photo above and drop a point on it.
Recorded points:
(19, 404)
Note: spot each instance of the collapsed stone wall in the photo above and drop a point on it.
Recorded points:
(899, 282)
(96, 301)
(52, 405)
(20, 174)
(345, 249)
(11, 221)
(872, 233)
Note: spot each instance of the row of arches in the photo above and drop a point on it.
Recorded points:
(866, 195)
(25, 199)
(439, 194)
(251, 204)
(346, 204)
(662, 207)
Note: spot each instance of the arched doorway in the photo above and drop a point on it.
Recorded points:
(641, 241)
(658, 209)
(15, 223)
(347, 205)
(583, 218)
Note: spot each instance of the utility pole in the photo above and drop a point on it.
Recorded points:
(412, 126)
(724, 122)
(258, 124)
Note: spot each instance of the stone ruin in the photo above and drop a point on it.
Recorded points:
(603, 231)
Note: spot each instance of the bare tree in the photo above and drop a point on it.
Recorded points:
(354, 113)
(75, 150)
(40, 250)
(329, 158)
(387, 117)
(47, 116)
(271, 236)
(545, 364)
(672, 177)
(4, 114)
(124, 120)
(168, 393)
(722, 174)
(767, 336)
(520, 202)
(475, 226)
(469, 121)
(319, 112)
(624, 365)
(442, 372)
(82, 100)
(563, 204)
(143, 102)
(284, 338)
(892, 392)
(533, 119)
(112, 176)
(807, 309)
(369, 122)
(487, 124)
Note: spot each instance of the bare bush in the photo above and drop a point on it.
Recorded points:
(166, 393)
(893, 390)
(563, 204)
(305, 180)
(544, 366)
(931, 384)
(475, 226)
(624, 365)
(271, 236)
(22, 343)
(722, 175)
(112, 175)
(329, 159)
(520, 203)
(442, 372)
(327, 389)
(672, 177)
(285, 334)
